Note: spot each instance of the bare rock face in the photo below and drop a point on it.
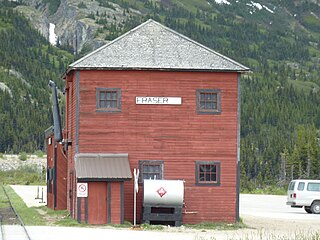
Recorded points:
(35, 11)
(73, 26)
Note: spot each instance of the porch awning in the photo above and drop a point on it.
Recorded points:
(102, 167)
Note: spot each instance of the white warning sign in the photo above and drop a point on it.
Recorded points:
(82, 189)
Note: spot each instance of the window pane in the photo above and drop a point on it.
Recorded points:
(102, 104)
(114, 95)
(108, 104)
(151, 170)
(109, 99)
(214, 177)
(102, 95)
(208, 105)
(214, 97)
(313, 187)
(214, 105)
(145, 168)
(208, 101)
(207, 173)
(208, 96)
(202, 105)
(113, 104)
(208, 179)
(301, 186)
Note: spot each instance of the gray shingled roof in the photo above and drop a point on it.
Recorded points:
(102, 166)
(152, 46)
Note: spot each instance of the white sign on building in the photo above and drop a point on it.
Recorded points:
(159, 100)
(82, 189)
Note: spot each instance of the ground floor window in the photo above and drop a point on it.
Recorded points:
(208, 173)
(150, 169)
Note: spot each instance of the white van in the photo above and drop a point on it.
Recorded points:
(304, 193)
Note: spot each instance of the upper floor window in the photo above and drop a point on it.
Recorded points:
(150, 169)
(208, 101)
(108, 99)
(208, 173)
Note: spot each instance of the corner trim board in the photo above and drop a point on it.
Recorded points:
(122, 202)
(238, 154)
(109, 202)
(77, 109)
(79, 210)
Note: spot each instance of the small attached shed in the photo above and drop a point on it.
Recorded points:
(56, 173)
(104, 175)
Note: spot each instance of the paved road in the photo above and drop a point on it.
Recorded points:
(271, 206)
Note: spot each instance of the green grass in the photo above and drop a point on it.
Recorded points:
(4, 203)
(27, 175)
(29, 216)
(268, 190)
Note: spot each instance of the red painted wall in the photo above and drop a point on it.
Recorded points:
(175, 134)
(61, 175)
(115, 202)
(50, 164)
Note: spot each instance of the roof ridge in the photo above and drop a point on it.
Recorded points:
(111, 42)
(199, 44)
(107, 56)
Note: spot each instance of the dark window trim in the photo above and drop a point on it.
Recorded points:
(119, 95)
(213, 111)
(150, 162)
(217, 183)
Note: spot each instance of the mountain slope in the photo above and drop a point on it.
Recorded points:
(27, 64)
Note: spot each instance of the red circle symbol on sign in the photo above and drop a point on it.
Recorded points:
(82, 188)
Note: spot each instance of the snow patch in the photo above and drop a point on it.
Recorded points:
(268, 9)
(258, 6)
(52, 36)
(5, 88)
(222, 2)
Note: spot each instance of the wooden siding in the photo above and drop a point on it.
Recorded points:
(50, 164)
(61, 176)
(175, 134)
(115, 203)
(61, 179)
(70, 129)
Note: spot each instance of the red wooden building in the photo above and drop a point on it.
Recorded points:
(159, 102)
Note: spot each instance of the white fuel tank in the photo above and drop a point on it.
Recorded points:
(163, 192)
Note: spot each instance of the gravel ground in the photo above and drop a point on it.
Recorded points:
(12, 162)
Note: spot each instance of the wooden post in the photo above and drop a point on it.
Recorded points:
(135, 190)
